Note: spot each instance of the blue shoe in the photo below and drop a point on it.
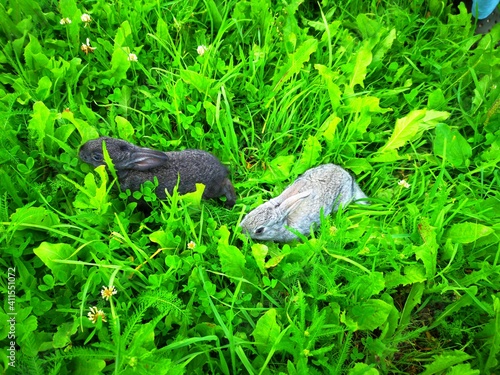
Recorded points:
(487, 14)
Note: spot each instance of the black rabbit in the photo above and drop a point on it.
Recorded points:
(135, 165)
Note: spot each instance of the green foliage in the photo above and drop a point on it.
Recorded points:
(402, 94)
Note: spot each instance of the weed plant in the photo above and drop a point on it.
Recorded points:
(402, 94)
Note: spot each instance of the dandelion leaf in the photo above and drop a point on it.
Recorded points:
(231, 258)
(49, 253)
(363, 59)
(451, 146)
(266, 331)
(295, 63)
(412, 126)
(310, 154)
(368, 315)
(259, 253)
(445, 361)
(468, 232)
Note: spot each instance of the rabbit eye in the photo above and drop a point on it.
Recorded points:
(96, 156)
(259, 230)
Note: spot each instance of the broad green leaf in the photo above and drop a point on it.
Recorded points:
(211, 112)
(291, 368)
(144, 337)
(430, 121)
(6, 24)
(214, 11)
(443, 362)
(122, 34)
(406, 128)
(363, 369)
(358, 165)
(49, 253)
(310, 154)
(201, 83)
(33, 54)
(368, 315)
(328, 128)
(86, 131)
(384, 46)
(385, 157)
(32, 9)
(468, 232)
(468, 298)
(194, 198)
(42, 125)
(411, 127)
(63, 335)
(370, 285)
(61, 134)
(259, 252)
(436, 7)
(392, 323)
(413, 299)
(295, 63)
(363, 59)
(329, 77)
(92, 195)
(43, 89)
(231, 258)
(278, 169)
(368, 27)
(87, 366)
(436, 99)
(38, 216)
(413, 273)
(26, 326)
(492, 361)
(462, 369)
(427, 252)
(125, 128)
(266, 332)
(274, 261)
(365, 104)
(119, 65)
(359, 125)
(69, 9)
(165, 239)
(450, 145)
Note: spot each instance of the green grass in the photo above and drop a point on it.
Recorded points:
(391, 91)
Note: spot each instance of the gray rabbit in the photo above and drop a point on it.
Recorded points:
(135, 165)
(325, 187)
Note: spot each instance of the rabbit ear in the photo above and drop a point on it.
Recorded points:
(291, 203)
(143, 159)
(293, 189)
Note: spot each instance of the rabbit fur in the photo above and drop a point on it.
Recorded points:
(135, 165)
(324, 187)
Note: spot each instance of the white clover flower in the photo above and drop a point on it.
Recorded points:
(95, 313)
(85, 18)
(87, 48)
(132, 57)
(191, 245)
(404, 184)
(201, 50)
(106, 292)
(65, 21)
